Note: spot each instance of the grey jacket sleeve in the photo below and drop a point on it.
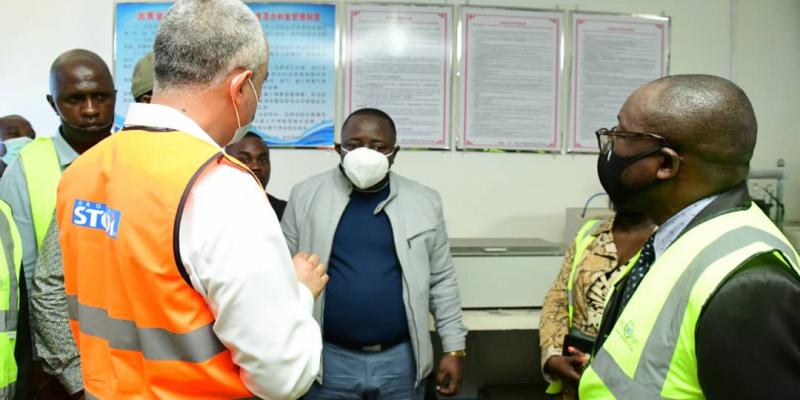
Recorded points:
(445, 301)
(50, 315)
(289, 222)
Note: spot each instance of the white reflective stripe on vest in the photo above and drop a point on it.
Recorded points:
(156, 344)
(654, 362)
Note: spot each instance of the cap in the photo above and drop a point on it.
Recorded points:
(143, 76)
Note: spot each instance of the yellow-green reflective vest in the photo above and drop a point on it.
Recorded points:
(42, 173)
(649, 353)
(10, 263)
(583, 239)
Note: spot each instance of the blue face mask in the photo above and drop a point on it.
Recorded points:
(13, 146)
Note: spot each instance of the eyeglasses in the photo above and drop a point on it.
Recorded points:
(606, 138)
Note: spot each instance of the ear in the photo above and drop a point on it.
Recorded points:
(394, 154)
(670, 164)
(52, 104)
(338, 148)
(237, 85)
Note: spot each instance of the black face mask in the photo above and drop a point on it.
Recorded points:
(82, 137)
(609, 170)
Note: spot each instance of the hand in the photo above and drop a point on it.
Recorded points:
(567, 368)
(448, 377)
(310, 272)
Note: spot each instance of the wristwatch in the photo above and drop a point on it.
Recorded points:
(458, 353)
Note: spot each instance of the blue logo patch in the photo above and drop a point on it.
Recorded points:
(96, 216)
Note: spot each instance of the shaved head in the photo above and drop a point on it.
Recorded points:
(705, 116)
(69, 60)
(82, 94)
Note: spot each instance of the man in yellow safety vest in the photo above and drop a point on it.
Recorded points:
(709, 309)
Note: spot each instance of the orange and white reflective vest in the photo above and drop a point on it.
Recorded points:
(141, 328)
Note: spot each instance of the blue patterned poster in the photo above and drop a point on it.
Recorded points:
(297, 104)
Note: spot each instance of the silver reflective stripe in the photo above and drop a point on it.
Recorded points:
(155, 343)
(90, 396)
(8, 391)
(10, 320)
(656, 357)
(3, 325)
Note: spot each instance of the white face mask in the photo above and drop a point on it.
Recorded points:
(13, 146)
(365, 167)
(242, 130)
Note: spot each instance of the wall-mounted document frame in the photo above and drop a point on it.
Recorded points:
(511, 70)
(612, 55)
(298, 102)
(398, 59)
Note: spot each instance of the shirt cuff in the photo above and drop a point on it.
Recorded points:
(306, 298)
(454, 345)
(71, 377)
(546, 354)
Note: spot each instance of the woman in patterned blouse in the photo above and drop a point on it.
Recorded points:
(614, 242)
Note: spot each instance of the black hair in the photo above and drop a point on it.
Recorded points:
(372, 112)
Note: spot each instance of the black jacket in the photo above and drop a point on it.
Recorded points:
(747, 338)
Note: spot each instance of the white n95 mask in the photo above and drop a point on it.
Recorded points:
(365, 167)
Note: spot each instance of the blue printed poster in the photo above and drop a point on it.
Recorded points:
(297, 104)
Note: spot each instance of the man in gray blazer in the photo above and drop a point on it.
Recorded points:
(383, 238)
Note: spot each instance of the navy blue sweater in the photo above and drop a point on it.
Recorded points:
(364, 297)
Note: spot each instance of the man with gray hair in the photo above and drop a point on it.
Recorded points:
(172, 294)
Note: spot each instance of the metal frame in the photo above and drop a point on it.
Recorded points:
(336, 52)
(459, 133)
(566, 140)
(454, 119)
(345, 63)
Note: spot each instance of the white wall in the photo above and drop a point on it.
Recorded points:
(485, 194)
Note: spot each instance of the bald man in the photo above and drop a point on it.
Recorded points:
(709, 308)
(82, 95)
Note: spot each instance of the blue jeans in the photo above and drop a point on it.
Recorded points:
(356, 375)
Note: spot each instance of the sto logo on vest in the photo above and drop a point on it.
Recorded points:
(96, 216)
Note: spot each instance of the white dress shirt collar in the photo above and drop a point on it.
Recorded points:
(669, 231)
(160, 116)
